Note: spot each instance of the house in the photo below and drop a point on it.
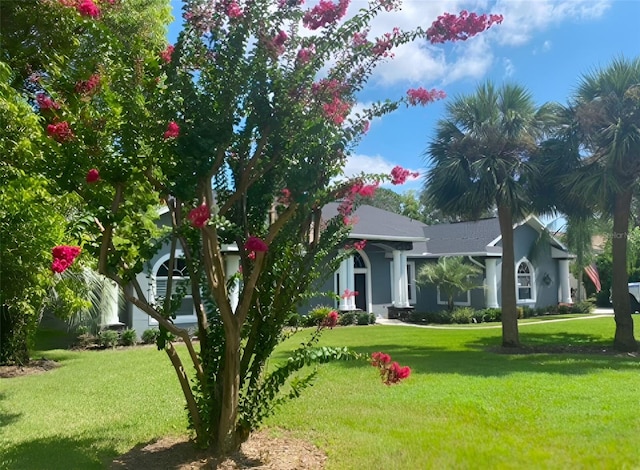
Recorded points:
(383, 272)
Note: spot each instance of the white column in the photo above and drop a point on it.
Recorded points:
(565, 288)
(397, 279)
(342, 284)
(232, 265)
(351, 284)
(404, 281)
(492, 283)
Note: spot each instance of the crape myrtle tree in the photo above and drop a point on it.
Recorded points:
(480, 159)
(241, 128)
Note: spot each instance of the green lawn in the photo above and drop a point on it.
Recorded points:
(463, 406)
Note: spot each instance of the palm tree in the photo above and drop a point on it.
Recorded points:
(606, 108)
(479, 160)
(452, 276)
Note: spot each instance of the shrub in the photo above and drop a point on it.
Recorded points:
(294, 320)
(108, 338)
(441, 317)
(150, 336)
(372, 318)
(362, 318)
(85, 340)
(491, 315)
(564, 308)
(585, 306)
(128, 337)
(317, 315)
(347, 318)
(463, 315)
(528, 312)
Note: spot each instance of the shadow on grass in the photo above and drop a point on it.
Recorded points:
(7, 418)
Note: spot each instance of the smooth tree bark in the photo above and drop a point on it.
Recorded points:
(510, 336)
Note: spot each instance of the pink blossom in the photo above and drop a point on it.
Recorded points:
(88, 8)
(60, 131)
(305, 54)
(285, 196)
(199, 215)
(255, 244)
(378, 358)
(63, 257)
(167, 53)
(337, 110)
(365, 127)
(173, 130)
(399, 175)
(384, 44)
(234, 10)
(390, 372)
(89, 85)
(421, 96)
(331, 319)
(276, 44)
(325, 13)
(46, 102)
(349, 293)
(359, 39)
(449, 27)
(360, 245)
(93, 175)
(390, 5)
(251, 255)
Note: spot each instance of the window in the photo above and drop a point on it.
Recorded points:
(462, 299)
(525, 287)
(179, 283)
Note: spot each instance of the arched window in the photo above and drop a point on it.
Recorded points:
(180, 283)
(525, 285)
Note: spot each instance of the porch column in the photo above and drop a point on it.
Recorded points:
(231, 266)
(565, 288)
(397, 279)
(351, 284)
(404, 281)
(342, 284)
(492, 283)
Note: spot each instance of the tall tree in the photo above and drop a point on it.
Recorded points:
(479, 159)
(606, 110)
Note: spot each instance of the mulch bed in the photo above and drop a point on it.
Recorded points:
(35, 366)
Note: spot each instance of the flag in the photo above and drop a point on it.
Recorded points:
(592, 272)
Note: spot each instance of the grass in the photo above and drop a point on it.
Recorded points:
(463, 406)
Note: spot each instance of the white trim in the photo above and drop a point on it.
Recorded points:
(446, 302)
(179, 318)
(367, 277)
(411, 280)
(532, 286)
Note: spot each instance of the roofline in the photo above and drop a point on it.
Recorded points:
(540, 226)
(388, 238)
(440, 255)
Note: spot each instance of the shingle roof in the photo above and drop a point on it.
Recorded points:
(463, 237)
(373, 223)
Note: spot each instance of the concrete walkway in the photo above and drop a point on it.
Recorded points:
(597, 313)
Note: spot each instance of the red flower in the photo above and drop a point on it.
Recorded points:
(167, 53)
(93, 175)
(199, 216)
(88, 8)
(46, 102)
(252, 255)
(60, 131)
(378, 358)
(234, 10)
(390, 372)
(325, 13)
(399, 175)
(88, 86)
(421, 96)
(173, 130)
(331, 319)
(63, 257)
(285, 196)
(450, 27)
(255, 244)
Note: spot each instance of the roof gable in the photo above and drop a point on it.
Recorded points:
(462, 237)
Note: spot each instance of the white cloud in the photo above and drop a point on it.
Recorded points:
(509, 68)
(358, 164)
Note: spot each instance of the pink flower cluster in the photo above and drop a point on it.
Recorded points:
(46, 102)
(384, 44)
(330, 91)
(417, 96)
(359, 245)
(348, 294)
(285, 196)
(234, 10)
(88, 8)
(63, 257)
(399, 175)
(331, 319)
(325, 13)
(60, 131)
(337, 110)
(255, 244)
(93, 175)
(276, 43)
(359, 39)
(390, 372)
(449, 27)
(345, 208)
(199, 216)
(390, 5)
(88, 86)
(166, 54)
(305, 54)
(173, 130)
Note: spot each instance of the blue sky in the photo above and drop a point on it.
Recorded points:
(543, 45)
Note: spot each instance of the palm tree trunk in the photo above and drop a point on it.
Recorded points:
(624, 339)
(510, 337)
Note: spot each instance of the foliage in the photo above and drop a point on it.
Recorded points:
(452, 275)
(363, 318)
(242, 129)
(108, 338)
(150, 336)
(128, 337)
(441, 317)
(316, 316)
(463, 315)
(347, 318)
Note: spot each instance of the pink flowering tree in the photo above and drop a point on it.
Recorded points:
(241, 129)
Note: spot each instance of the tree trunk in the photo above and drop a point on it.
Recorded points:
(510, 337)
(624, 339)
(226, 439)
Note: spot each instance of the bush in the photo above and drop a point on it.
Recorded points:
(362, 318)
(585, 306)
(347, 318)
(295, 320)
(491, 315)
(128, 337)
(463, 315)
(108, 338)
(442, 317)
(150, 336)
(372, 318)
(85, 340)
(317, 315)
